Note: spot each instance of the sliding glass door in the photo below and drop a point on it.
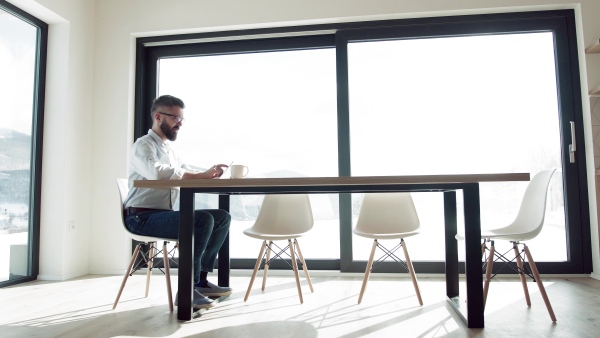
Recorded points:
(468, 98)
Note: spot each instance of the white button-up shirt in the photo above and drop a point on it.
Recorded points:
(154, 159)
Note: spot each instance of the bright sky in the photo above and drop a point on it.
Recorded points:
(465, 104)
(258, 109)
(17, 60)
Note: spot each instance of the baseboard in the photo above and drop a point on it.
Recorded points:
(595, 275)
(120, 272)
(62, 277)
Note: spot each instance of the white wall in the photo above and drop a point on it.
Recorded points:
(66, 193)
(113, 30)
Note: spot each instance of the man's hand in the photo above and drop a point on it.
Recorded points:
(216, 170)
(213, 172)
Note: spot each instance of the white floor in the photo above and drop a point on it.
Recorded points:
(83, 308)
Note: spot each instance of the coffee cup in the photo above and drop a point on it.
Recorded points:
(238, 170)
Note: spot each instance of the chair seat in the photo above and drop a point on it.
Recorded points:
(271, 237)
(511, 237)
(148, 239)
(385, 236)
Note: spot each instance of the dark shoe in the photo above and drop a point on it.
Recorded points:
(212, 290)
(199, 301)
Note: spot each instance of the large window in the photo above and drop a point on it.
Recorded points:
(22, 53)
(423, 96)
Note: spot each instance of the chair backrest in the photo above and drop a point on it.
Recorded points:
(387, 213)
(284, 214)
(123, 191)
(123, 187)
(530, 219)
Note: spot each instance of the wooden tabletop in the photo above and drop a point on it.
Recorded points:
(331, 181)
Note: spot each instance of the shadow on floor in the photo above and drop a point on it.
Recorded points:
(92, 322)
(274, 329)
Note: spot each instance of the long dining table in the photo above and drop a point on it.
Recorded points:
(470, 311)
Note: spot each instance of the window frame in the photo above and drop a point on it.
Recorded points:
(37, 122)
(560, 22)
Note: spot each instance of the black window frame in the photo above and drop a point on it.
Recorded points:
(561, 22)
(35, 185)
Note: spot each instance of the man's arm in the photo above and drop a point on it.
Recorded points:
(213, 172)
(146, 161)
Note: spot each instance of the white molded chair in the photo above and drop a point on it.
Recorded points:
(388, 216)
(281, 217)
(147, 257)
(527, 225)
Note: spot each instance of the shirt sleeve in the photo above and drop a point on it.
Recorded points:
(188, 167)
(145, 161)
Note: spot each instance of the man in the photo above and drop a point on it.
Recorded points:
(150, 211)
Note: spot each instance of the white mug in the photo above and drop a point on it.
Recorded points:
(238, 171)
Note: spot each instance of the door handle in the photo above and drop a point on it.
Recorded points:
(572, 146)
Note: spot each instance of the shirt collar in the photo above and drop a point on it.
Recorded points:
(165, 144)
(157, 138)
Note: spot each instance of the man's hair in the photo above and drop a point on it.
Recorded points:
(166, 101)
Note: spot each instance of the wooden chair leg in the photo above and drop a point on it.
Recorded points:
(150, 266)
(483, 248)
(295, 266)
(367, 272)
(538, 280)
(135, 254)
(412, 271)
(167, 275)
(267, 264)
(522, 273)
(256, 266)
(304, 265)
(488, 272)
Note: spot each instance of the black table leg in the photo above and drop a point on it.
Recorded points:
(473, 315)
(450, 220)
(473, 273)
(452, 273)
(224, 260)
(186, 255)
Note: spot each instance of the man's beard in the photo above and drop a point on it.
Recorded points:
(170, 133)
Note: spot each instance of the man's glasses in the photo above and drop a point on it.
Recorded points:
(177, 118)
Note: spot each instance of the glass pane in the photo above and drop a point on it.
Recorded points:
(479, 104)
(274, 112)
(17, 65)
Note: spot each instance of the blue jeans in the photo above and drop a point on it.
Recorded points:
(210, 230)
